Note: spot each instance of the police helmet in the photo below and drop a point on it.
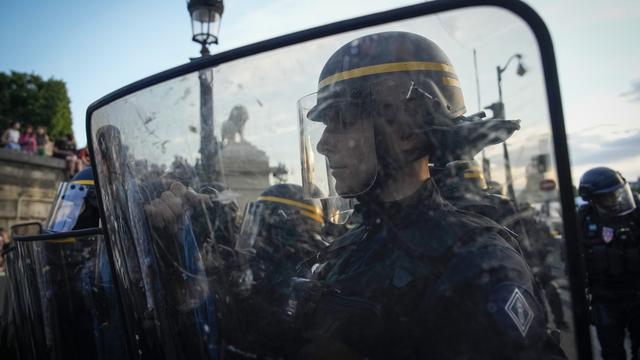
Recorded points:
(281, 211)
(466, 175)
(414, 64)
(405, 78)
(608, 191)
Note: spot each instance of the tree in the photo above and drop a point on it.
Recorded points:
(29, 99)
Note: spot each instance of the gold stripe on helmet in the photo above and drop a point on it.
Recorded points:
(385, 68)
(473, 173)
(450, 81)
(294, 203)
(312, 216)
(83, 182)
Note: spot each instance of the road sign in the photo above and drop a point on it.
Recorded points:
(547, 185)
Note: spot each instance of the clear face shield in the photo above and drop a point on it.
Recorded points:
(276, 224)
(338, 140)
(338, 147)
(251, 223)
(272, 211)
(615, 203)
(338, 153)
(68, 206)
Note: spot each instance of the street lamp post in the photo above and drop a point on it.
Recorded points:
(205, 26)
(507, 163)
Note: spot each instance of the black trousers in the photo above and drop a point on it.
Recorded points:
(612, 318)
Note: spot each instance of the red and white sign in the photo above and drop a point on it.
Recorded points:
(547, 185)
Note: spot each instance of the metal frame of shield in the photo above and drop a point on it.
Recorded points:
(542, 35)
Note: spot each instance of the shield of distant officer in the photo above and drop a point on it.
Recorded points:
(79, 314)
(23, 263)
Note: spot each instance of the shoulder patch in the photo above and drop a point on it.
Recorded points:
(517, 312)
(520, 312)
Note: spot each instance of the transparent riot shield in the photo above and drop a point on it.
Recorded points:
(64, 297)
(25, 295)
(82, 315)
(410, 271)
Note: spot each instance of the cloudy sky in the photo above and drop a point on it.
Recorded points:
(97, 47)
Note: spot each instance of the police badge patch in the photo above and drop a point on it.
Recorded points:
(607, 234)
(519, 311)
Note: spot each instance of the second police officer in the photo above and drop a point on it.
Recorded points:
(279, 231)
(417, 278)
(609, 227)
(463, 185)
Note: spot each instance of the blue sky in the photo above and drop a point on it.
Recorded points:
(97, 47)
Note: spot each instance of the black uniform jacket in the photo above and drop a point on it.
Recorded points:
(611, 254)
(421, 279)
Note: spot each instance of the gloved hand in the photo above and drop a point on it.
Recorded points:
(167, 212)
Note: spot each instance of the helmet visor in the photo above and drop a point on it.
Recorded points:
(338, 152)
(69, 203)
(251, 223)
(615, 203)
(273, 211)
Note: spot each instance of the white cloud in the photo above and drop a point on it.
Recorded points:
(603, 130)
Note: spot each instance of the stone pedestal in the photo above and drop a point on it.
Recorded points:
(246, 170)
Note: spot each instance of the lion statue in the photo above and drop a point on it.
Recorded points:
(233, 127)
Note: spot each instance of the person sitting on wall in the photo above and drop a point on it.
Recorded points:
(11, 137)
(42, 141)
(65, 148)
(27, 141)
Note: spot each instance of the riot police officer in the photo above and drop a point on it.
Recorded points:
(609, 226)
(462, 184)
(279, 231)
(417, 278)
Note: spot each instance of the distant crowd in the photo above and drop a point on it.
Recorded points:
(38, 143)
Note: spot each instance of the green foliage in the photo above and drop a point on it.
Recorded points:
(29, 99)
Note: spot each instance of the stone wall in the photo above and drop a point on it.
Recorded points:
(28, 185)
(246, 170)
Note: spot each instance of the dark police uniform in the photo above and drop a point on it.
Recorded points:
(534, 239)
(421, 279)
(612, 256)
